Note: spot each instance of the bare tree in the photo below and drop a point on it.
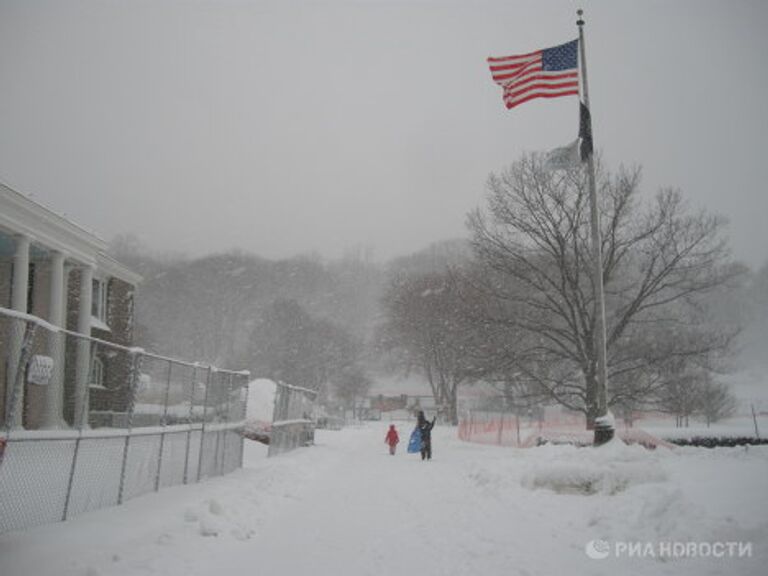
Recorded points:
(681, 392)
(425, 329)
(289, 344)
(351, 385)
(754, 306)
(716, 401)
(659, 259)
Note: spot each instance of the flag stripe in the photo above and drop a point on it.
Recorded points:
(547, 73)
(513, 103)
(515, 65)
(570, 77)
(540, 86)
(513, 58)
(529, 67)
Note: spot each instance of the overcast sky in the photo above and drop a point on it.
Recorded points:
(283, 127)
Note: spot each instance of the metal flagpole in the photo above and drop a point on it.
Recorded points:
(603, 429)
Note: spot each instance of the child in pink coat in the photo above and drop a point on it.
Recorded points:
(392, 439)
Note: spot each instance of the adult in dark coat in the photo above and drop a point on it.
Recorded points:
(425, 427)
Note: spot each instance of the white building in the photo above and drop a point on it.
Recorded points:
(55, 270)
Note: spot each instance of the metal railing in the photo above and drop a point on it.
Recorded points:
(87, 423)
(292, 425)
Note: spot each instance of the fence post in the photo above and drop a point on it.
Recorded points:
(216, 452)
(226, 430)
(163, 424)
(71, 480)
(202, 429)
(83, 409)
(274, 436)
(190, 420)
(243, 414)
(18, 377)
(135, 372)
(754, 420)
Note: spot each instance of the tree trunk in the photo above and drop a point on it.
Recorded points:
(591, 393)
(453, 411)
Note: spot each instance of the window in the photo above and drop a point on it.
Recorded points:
(97, 373)
(99, 301)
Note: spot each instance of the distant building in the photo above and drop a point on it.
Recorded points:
(55, 270)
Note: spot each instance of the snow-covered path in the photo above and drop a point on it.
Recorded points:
(371, 513)
(347, 507)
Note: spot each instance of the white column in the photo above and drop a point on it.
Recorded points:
(18, 303)
(21, 274)
(53, 412)
(83, 348)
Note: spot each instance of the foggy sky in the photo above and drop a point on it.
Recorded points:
(286, 127)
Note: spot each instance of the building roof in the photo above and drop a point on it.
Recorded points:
(19, 214)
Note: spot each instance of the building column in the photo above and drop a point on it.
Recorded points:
(19, 303)
(83, 367)
(53, 411)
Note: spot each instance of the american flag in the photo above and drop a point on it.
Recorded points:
(547, 73)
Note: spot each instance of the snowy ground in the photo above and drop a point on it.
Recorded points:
(346, 507)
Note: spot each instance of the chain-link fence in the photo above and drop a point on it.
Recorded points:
(86, 423)
(292, 424)
(495, 420)
(495, 427)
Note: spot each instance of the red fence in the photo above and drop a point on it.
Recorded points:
(509, 429)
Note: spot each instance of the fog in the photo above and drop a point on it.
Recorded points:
(293, 127)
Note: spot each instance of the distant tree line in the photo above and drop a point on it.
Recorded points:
(300, 320)
(513, 306)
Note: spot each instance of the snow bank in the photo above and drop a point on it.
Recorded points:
(261, 403)
(345, 506)
(210, 518)
(261, 400)
(609, 469)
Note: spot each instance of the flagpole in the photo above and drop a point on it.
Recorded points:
(603, 429)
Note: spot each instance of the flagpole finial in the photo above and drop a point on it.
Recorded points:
(580, 13)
